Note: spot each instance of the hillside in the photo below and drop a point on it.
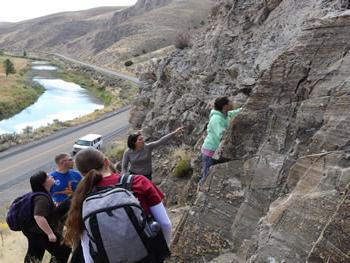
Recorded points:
(282, 190)
(108, 35)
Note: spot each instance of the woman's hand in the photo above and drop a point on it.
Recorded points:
(52, 237)
(179, 130)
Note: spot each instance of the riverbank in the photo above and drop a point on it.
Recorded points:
(114, 93)
(16, 91)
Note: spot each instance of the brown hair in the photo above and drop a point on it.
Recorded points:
(59, 157)
(132, 138)
(90, 163)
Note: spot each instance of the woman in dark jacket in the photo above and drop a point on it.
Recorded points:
(42, 233)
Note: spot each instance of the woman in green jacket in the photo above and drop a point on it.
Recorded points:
(219, 119)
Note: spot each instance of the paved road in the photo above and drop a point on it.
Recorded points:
(17, 164)
(100, 69)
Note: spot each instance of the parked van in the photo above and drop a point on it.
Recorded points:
(87, 141)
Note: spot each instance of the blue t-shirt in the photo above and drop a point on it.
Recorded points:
(65, 185)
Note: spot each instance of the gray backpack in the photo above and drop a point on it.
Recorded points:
(116, 224)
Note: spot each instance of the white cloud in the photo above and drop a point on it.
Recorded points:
(19, 10)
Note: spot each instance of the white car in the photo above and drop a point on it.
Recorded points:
(87, 141)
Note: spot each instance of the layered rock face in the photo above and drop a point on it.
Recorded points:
(283, 193)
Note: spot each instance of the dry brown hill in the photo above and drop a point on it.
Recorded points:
(106, 35)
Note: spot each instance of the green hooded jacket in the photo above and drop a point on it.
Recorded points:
(218, 122)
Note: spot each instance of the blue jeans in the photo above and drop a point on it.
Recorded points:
(206, 163)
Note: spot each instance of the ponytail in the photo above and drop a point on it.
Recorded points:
(74, 222)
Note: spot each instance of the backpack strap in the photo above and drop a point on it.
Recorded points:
(126, 181)
(101, 256)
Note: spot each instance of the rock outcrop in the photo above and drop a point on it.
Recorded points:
(282, 193)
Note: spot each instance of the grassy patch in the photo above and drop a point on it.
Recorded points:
(182, 166)
(115, 151)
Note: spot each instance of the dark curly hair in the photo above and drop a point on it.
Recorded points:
(220, 103)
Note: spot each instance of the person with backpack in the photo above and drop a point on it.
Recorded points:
(139, 154)
(113, 229)
(40, 229)
(219, 119)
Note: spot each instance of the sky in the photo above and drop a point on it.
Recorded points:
(19, 10)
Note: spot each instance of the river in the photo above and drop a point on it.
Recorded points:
(61, 101)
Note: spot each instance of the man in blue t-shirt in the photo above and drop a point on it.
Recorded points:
(66, 178)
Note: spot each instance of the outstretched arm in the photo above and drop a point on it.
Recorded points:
(165, 138)
(232, 113)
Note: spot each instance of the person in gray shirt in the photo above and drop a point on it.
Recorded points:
(139, 154)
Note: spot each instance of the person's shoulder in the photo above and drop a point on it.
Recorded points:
(215, 118)
(55, 174)
(74, 172)
(41, 197)
(146, 147)
(109, 180)
(127, 150)
(214, 114)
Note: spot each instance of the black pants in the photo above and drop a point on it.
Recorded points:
(38, 243)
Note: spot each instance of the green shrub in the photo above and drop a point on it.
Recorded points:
(182, 168)
(183, 164)
(106, 97)
(128, 63)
